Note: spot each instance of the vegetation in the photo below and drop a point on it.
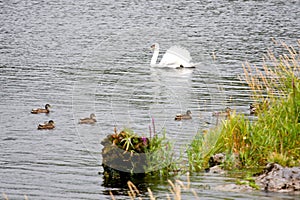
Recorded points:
(127, 154)
(160, 156)
(274, 135)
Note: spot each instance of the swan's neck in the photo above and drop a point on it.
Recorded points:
(154, 57)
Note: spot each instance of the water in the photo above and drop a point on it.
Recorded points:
(93, 56)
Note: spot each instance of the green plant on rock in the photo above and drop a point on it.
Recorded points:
(127, 142)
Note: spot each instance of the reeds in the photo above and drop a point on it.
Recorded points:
(274, 135)
(176, 188)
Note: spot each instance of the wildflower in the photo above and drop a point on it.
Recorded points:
(144, 139)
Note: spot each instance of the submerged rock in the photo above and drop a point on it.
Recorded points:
(234, 188)
(276, 178)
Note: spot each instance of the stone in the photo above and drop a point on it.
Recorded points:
(276, 178)
(216, 159)
(234, 188)
(215, 170)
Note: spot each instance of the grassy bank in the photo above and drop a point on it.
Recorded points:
(274, 135)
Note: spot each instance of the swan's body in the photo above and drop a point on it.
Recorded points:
(175, 57)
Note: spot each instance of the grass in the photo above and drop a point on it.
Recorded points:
(274, 135)
(160, 156)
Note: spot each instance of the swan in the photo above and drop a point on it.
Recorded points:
(175, 57)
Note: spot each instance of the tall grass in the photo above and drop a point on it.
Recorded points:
(275, 135)
(160, 156)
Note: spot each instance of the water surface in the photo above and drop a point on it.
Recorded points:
(93, 56)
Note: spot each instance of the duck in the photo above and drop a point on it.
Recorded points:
(47, 125)
(255, 108)
(41, 110)
(88, 120)
(179, 117)
(225, 113)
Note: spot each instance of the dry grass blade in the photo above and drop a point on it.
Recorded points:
(150, 194)
(111, 195)
(194, 193)
(133, 191)
(188, 180)
(5, 196)
(176, 190)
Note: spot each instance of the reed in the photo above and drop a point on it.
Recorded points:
(176, 188)
(274, 135)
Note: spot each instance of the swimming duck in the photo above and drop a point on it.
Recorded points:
(47, 125)
(88, 120)
(224, 113)
(255, 108)
(41, 110)
(184, 116)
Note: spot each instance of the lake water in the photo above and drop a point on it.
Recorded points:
(93, 56)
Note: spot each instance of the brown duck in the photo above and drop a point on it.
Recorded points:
(88, 120)
(179, 117)
(47, 125)
(225, 113)
(41, 110)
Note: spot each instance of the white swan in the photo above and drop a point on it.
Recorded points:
(175, 57)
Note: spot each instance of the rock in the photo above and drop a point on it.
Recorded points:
(276, 178)
(215, 170)
(214, 164)
(216, 159)
(234, 188)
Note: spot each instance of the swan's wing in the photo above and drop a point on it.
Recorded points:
(176, 56)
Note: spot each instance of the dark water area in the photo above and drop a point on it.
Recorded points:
(94, 56)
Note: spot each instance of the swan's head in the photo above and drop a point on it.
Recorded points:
(155, 46)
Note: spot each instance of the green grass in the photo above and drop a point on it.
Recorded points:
(274, 136)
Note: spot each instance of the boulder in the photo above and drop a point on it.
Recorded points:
(276, 178)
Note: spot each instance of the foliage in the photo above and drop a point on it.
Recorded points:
(127, 152)
(160, 156)
(201, 148)
(274, 135)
